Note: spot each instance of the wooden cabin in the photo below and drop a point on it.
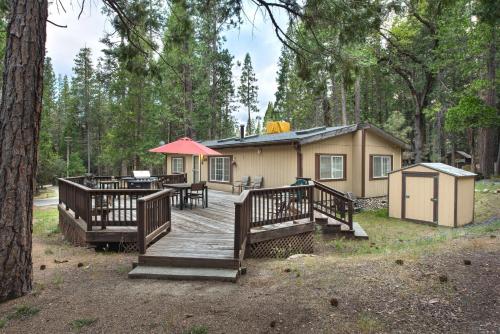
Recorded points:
(432, 193)
(353, 158)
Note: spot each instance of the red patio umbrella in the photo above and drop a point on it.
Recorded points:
(184, 146)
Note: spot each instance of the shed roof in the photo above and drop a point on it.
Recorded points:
(299, 136)
(440, 167)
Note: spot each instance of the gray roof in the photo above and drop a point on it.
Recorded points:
(440, 167)
(298, 136)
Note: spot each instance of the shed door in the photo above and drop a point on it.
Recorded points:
(420, 198)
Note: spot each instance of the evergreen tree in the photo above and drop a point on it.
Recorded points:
(248, 91)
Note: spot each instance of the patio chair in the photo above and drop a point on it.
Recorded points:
(103, 204)
(256, 183)
(196, 192)
(240, 185)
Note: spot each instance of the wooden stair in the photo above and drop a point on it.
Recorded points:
(184, 273)
(189, 256)
(332, 226)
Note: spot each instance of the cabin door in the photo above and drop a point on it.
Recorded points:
(196, 168)
(420, 197)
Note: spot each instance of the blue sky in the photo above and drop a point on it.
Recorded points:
(257, 38)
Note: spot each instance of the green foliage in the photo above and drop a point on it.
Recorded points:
(45, 222)
(24, 312)
(78, 324)
(471, 112)
(76, 166)
(197, 329)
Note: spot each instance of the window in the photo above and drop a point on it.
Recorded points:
(381, 165)
(331, 167)
(220, 169)
(177, 165)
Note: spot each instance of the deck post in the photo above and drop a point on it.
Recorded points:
(237, 230)
(140, 226)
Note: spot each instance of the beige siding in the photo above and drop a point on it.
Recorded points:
(335, 145)
(188, 166)
(395, 185)
(374, 144)
(465, 201)
(276, 163)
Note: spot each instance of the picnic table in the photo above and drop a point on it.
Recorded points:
(183, 189)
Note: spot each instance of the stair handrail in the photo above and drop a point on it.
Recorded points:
(342, 204)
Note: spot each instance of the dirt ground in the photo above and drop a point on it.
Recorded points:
(373, 292)
(408, 278)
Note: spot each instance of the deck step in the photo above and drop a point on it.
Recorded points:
(337, 228)
(359, 232)
(320, 218)
(182, 273)
(188, 262)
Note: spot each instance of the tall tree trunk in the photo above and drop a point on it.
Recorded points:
(343, 101)
(20, 110)
(488, 137)
(357, 99)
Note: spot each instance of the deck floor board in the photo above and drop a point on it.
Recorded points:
(203, 233)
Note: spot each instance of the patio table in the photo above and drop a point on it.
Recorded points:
(183, 188)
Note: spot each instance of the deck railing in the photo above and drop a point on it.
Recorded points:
(148, 209)
(259, 207)
(154, 217)
(333, 203)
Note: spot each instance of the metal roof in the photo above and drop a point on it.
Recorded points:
(298, 136)
(440, 167)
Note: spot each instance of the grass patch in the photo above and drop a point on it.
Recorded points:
(58, 280)
(78, 324)
(24, 312)
(390, 235)
(45, 193)
(368, 324)
(3, 322)
(197, 329)
(45, 222)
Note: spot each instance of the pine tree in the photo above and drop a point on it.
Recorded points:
(248, 91)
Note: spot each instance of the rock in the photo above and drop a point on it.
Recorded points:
(493, 236)
(467, 262)
(433, 301)
(273, 323)
(188, 315)
(371, 203)
(334, 302)
(42, 267)
(485, 190)
(298, 256)
(443, 278)
(287, 270)
(79, 264)
(399, 262)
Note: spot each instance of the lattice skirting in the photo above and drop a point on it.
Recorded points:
(129, 247)
(284, 247)
(71, 231)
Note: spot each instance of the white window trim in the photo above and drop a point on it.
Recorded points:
(212, 164)
(174, 165)
(373, 166)
(331, 156)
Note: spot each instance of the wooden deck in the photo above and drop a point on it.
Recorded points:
(199, 245)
